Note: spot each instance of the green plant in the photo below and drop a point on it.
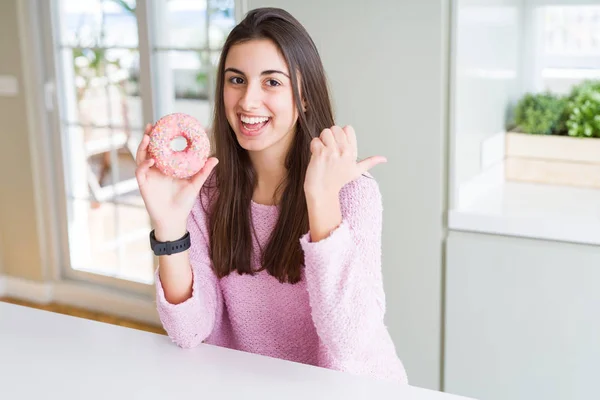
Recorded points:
(583, 110)
(202, 78)
(541, 114)
(588, 84)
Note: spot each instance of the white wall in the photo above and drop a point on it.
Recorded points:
(522, 318)
(18, 213)
(486, 71)
(386, 64)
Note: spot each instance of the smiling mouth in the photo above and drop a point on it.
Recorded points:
(254, 124)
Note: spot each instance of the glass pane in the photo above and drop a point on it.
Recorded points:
(111, 159)
(185, 83)
(136, 258)
(180, 24)
(214, 58)
(98, 23)
(105, 88)
(100, 162)
(572, 30)
(94, 237)
(111, 239)
(110, 163)
(123, 72)
(221, 19)
(77, 173)
(86, 86)
(108, 224)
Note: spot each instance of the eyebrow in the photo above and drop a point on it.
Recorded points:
(267, 72)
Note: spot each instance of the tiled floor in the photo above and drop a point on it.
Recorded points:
(81, 313)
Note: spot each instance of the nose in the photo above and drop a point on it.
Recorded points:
(252, 97)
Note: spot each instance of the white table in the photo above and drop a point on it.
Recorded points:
(45, 355)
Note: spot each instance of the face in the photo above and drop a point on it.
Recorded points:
(258, 97)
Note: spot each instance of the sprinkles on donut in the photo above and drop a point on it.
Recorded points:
(178, 164)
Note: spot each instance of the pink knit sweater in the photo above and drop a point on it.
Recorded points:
(333, 318)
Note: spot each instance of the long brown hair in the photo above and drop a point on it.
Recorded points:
(235, 179)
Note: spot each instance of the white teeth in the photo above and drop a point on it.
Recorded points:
(253, 120)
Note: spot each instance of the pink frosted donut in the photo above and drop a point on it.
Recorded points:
(178, 164)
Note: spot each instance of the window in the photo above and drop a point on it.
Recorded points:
(571, 36)
(539, 183)
(569, 51)
(120, 64)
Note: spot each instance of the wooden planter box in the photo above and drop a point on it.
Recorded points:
(555, 160)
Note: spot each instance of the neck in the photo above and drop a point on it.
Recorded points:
(270, 173)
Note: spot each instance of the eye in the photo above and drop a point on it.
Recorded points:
(236, 80)
(273, 83)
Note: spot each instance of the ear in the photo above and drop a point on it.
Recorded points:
(303, 105)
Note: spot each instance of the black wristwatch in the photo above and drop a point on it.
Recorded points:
(168, 248)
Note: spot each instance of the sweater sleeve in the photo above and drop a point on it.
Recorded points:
(344, 282)
(191, 322)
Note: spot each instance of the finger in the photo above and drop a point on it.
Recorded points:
(148, 128)
(142, 171)
(142, 151)
(368, 163)
(340, 136)
(350, 135)
(327, 138)
(202, 175)
(316, 146)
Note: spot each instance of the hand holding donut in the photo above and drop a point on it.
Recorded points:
(167, 194)
(333, 162)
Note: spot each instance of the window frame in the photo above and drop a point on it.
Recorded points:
(56, 104)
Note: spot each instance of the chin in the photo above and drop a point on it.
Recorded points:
(252, 146)
(266, 139)
(255, 142)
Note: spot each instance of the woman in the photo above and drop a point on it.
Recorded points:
(285, 253)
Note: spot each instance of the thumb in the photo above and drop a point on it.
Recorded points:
(200, 177)
(142, 171)
(370, 162)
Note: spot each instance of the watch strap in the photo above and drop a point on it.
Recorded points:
(172, 247)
